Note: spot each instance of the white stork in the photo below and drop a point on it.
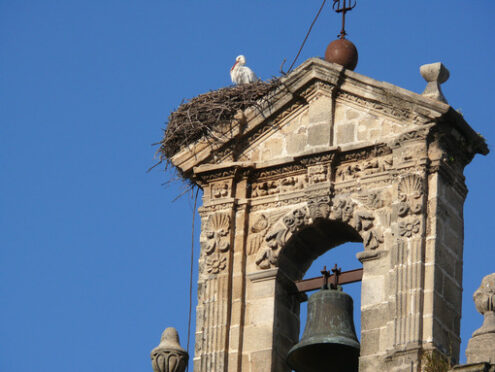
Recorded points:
(240, 74)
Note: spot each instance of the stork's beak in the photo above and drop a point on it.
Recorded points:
(236, 62)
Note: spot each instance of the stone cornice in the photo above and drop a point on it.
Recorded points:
(299, 86)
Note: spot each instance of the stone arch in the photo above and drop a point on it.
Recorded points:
(303, 233)
(344, 218)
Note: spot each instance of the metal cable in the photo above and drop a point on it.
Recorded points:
(307, 35)
(191, 275)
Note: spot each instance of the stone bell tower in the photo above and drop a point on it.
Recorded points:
(332, 156)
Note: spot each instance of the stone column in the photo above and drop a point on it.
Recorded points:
(213, 313)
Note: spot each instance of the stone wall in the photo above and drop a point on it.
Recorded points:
(336, 157)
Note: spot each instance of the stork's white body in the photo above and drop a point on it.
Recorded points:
(240, 74)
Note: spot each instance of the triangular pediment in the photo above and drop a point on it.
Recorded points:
(318, 106)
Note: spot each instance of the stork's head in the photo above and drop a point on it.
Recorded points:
(240, 60)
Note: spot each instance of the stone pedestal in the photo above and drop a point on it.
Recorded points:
(169, 356)
(481, 347)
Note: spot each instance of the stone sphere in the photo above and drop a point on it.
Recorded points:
(342, 52)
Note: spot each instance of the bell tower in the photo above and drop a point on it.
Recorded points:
(326, 157)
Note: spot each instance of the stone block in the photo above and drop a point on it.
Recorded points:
(257, 338)
(372, 290)
(274, 146)
(452, 293)
(373, 317)
(373, 134)
(296, 144)
(370, 342)
(339, 115)
(445, 260)
(234, 338)
(287, 323)
(352, 114)
(345, 134)
(441, 337)
(237, 292)
(261, 361)
(430, 274)
(260, 290)
(371, 363)
(454, 238)
(281, 348)
(319, 135)
(260, 311)
(427, 328)
(428, 302)
(481, 349)
(444, 313)
(320, 111)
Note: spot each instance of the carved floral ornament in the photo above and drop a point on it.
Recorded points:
(217, 233)
(411, 191)
(272, 239)
(220, 190)
(272, 187)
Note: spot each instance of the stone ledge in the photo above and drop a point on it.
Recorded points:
(261, 276)
(474, 367)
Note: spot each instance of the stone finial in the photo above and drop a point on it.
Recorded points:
(480, 347)
(435, 74)
(169, 356)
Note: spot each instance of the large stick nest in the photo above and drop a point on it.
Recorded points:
(207, 115)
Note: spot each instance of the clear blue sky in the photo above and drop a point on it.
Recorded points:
(94, 255)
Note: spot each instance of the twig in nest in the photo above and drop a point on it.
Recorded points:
(205, 115)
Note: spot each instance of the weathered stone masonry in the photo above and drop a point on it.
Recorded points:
(335, 157)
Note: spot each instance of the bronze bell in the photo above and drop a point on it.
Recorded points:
(329, 342)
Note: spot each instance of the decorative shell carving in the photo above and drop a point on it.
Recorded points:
(217, 231)
(411, 185)
(410, 192)
(219, 222)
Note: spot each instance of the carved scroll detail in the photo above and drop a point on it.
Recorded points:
(343, 209)
(319, 207)
(258, 231)
(276, 239)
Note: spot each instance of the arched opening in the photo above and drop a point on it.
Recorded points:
(305, 246)
(345, 257)
(325, 242)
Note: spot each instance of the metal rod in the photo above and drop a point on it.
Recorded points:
(342, 32)
(346, 7)
(345, 277)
